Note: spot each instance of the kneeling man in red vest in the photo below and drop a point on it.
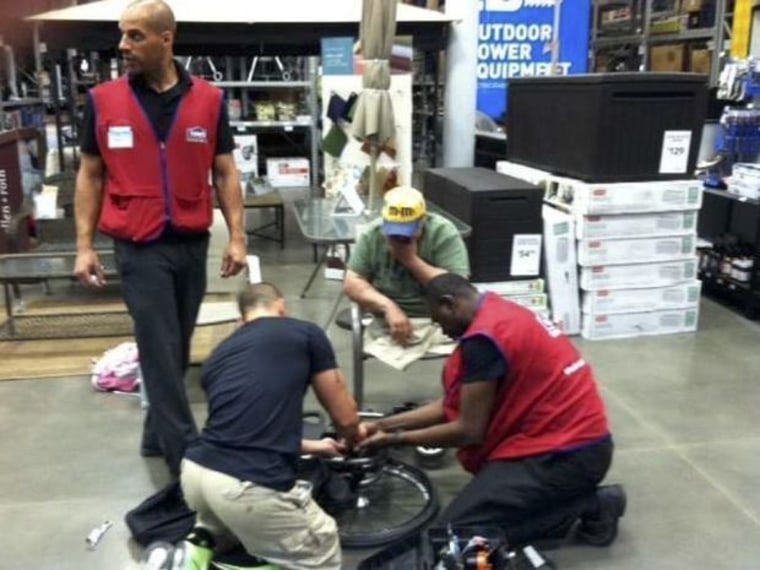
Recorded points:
(524, 410)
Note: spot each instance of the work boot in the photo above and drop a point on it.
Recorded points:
(600, 526)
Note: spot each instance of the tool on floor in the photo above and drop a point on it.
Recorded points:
(96, 535)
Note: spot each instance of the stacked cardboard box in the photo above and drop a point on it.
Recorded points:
(745, 180)
(559, 252)
(529, 293)
(636, 246)
(620, 257)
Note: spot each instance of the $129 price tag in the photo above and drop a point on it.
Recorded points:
(675, 152)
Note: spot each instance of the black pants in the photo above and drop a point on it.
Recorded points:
(163, 284)
(533, 498)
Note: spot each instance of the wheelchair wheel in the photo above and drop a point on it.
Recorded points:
(398, 501)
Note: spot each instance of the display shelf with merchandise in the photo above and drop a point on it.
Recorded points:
(730, 260)
(282, 99)
(662, 35)
(22, 113)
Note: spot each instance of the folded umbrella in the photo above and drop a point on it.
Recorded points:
(373, 121)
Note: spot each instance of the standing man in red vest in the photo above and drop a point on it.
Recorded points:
(524, 410)
(152, 141)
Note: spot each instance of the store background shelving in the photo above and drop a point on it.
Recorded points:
(728, 215)
(660, 35)
(295, 81)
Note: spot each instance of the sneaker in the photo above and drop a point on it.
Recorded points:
(158, 556)
(601, 528)
(189, 556)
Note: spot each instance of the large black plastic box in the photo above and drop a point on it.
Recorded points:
(604, 127)
(496, 207)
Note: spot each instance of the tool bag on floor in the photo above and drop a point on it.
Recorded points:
(163, 516)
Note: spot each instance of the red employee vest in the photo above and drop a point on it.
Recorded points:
(149, 183)
(548, 401)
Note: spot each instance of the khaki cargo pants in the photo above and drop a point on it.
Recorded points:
(287, 529)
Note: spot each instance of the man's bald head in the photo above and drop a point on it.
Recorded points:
(147, 38)
(157, 14)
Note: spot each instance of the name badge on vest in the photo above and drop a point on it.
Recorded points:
(120, 137)
(196, 135)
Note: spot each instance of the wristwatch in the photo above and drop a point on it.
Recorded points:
(396, 437)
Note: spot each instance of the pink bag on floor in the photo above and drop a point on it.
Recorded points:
(118, 370)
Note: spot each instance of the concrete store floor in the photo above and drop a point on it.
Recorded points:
(683, 408)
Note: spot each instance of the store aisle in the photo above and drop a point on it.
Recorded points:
(684, 411)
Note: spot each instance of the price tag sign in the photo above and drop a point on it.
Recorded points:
(675, 152)
(526, 255)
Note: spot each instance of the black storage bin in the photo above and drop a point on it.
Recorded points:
(489, 149)
(495, 206)
(604, 127)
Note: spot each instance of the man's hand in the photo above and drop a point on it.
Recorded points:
(327, 447)
(88, 269)
(399, 324)
(378, 440)
(234, 259)
(367, 429)
(403, 250)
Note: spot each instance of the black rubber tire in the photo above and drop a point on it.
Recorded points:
(382, 493)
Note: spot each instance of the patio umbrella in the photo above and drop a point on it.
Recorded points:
(373, 121)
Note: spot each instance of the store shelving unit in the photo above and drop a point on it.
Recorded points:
(425, 115)
(15, 187)
(630, 40)
(724, 213)
(285, 125)
(238, 83)
(427, 98)
(16, 104)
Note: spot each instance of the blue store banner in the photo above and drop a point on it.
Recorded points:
(514, 40)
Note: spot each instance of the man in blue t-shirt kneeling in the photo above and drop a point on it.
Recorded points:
(241, 475)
